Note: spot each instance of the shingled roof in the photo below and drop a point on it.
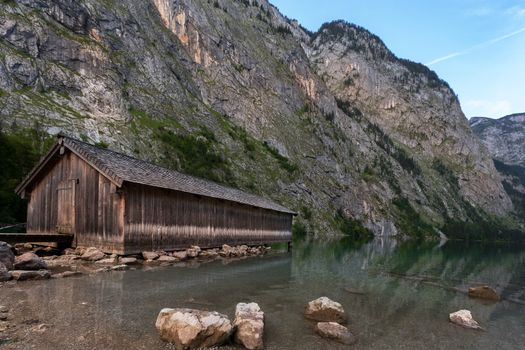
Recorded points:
(120, 168)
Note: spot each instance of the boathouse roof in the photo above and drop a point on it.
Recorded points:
(120, 168)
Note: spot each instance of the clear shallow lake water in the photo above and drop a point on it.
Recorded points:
(409, 290)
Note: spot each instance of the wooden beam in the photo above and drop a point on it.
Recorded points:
(35, 237)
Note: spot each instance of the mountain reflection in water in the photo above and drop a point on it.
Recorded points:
(397, 296)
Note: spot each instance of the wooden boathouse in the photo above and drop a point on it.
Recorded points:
(124, 205)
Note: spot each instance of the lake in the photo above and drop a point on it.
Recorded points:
(408, 289)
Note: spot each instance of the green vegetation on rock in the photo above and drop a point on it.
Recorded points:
(19, 151)
(195, 154)
(351, 227)
(409, 221)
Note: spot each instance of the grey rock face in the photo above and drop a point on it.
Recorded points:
(256, 91)
(505, 140)
(410, 104)
(504, 137)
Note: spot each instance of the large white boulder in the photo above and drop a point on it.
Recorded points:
(464, 319)
(249, 326)
(193, 329)
(325, 310)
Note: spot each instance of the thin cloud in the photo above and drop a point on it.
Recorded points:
(501, 38)
(444, 58)
(476, 47)
(516, 12)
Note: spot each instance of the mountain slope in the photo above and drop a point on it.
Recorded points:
(505, 140)
(235, 92)
(504, 137)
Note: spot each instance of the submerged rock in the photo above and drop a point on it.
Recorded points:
(127, 260)
(30, 261)
(107, 261)
(464, 319)
(150, 256)
(334, 331)
(167, 258)
(92, 254)
(193, 329)
(249, 324)
(120, 268)
(325, 310)
(484, 292)
(22, 275)
(5, 275)
(66, 274)
(7, 257)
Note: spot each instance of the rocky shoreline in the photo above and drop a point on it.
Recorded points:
(32, 262)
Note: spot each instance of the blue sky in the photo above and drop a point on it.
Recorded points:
(478, 46)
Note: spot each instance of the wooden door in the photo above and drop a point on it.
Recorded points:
(66, 206)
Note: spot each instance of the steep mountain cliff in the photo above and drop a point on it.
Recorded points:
(504, 137)
(513, 180)
(505, 140)
(331, 124)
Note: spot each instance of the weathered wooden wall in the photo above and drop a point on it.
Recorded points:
(96, 206)
(73, 197)
(164, 219)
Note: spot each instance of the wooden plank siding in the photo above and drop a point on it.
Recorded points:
(96, 204)
(136, 217)
(165, 219)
